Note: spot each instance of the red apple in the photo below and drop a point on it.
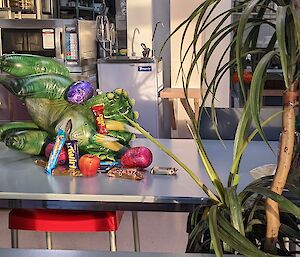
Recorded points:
(89, 164)
(137, 157)
(63, 157)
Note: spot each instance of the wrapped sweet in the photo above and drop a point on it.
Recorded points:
(79, 92)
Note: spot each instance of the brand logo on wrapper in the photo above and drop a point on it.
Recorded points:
(144, 68)
(73, 155)
(100, 119)
(72, 160)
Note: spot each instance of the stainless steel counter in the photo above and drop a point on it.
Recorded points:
(21, 179)
(70, 253)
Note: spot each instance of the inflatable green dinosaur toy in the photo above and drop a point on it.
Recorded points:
(42, 83)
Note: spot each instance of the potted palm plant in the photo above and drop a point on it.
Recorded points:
(255, 221)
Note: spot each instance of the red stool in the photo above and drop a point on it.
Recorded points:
(64, 221)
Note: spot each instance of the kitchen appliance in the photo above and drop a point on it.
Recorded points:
(72, 42)
(142, 78)
(103, 37)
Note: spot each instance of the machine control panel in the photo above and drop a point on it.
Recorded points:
(71, 45)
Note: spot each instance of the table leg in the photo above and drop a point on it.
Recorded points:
(14, 238)
(136, 236)
(186, 105)
(49, 240)
(112, 241)
(172, 114)
(196, 106)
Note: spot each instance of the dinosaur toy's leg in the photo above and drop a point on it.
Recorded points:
(27, 141)
(15, 127)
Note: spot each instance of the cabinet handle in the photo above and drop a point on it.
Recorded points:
(0, 103)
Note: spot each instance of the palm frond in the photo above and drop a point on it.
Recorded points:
(234, 205)
(214, 233)
(280, 29)
(239, 39)
(192, 174)
(256, 89)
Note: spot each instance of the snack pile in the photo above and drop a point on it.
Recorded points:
(89, 164)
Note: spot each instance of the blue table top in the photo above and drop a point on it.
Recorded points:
(21, 179)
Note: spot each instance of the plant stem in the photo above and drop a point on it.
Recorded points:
(283, 167)
(209, 193)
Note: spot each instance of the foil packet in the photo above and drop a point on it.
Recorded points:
(156, 170)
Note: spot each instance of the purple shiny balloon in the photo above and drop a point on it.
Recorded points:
(80, 92)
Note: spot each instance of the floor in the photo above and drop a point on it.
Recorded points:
(159, 232)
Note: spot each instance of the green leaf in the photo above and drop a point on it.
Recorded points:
(235, 209)
(296, 18)
(196, 235)
(237, 241)
(280, 30)
(256, 89)
(283, 202)
(291, 45)
(213, 229)
(291, 232)
(239, 39)
(237, 158)
(239, 141)
(213, 175)
(191, 17)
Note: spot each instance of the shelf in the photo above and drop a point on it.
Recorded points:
(266, 15)
(73, 8)
(29, 11)
(77, 10)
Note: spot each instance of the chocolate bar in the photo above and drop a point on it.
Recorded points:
(53, 158)
(41, 163)
(73, 154)
(126, 173)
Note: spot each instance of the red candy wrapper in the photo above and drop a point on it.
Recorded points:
(98, 111)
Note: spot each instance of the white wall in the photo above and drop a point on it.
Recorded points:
(143, 14)
(180, 10)
(142, 17)
(139, 16)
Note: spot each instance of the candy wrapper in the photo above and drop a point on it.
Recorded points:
(105, 166)
(73, 154)
(126, 173)
(80, 92)
(163, 170)
(53, 158)
(60, 170)
(98, 111)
